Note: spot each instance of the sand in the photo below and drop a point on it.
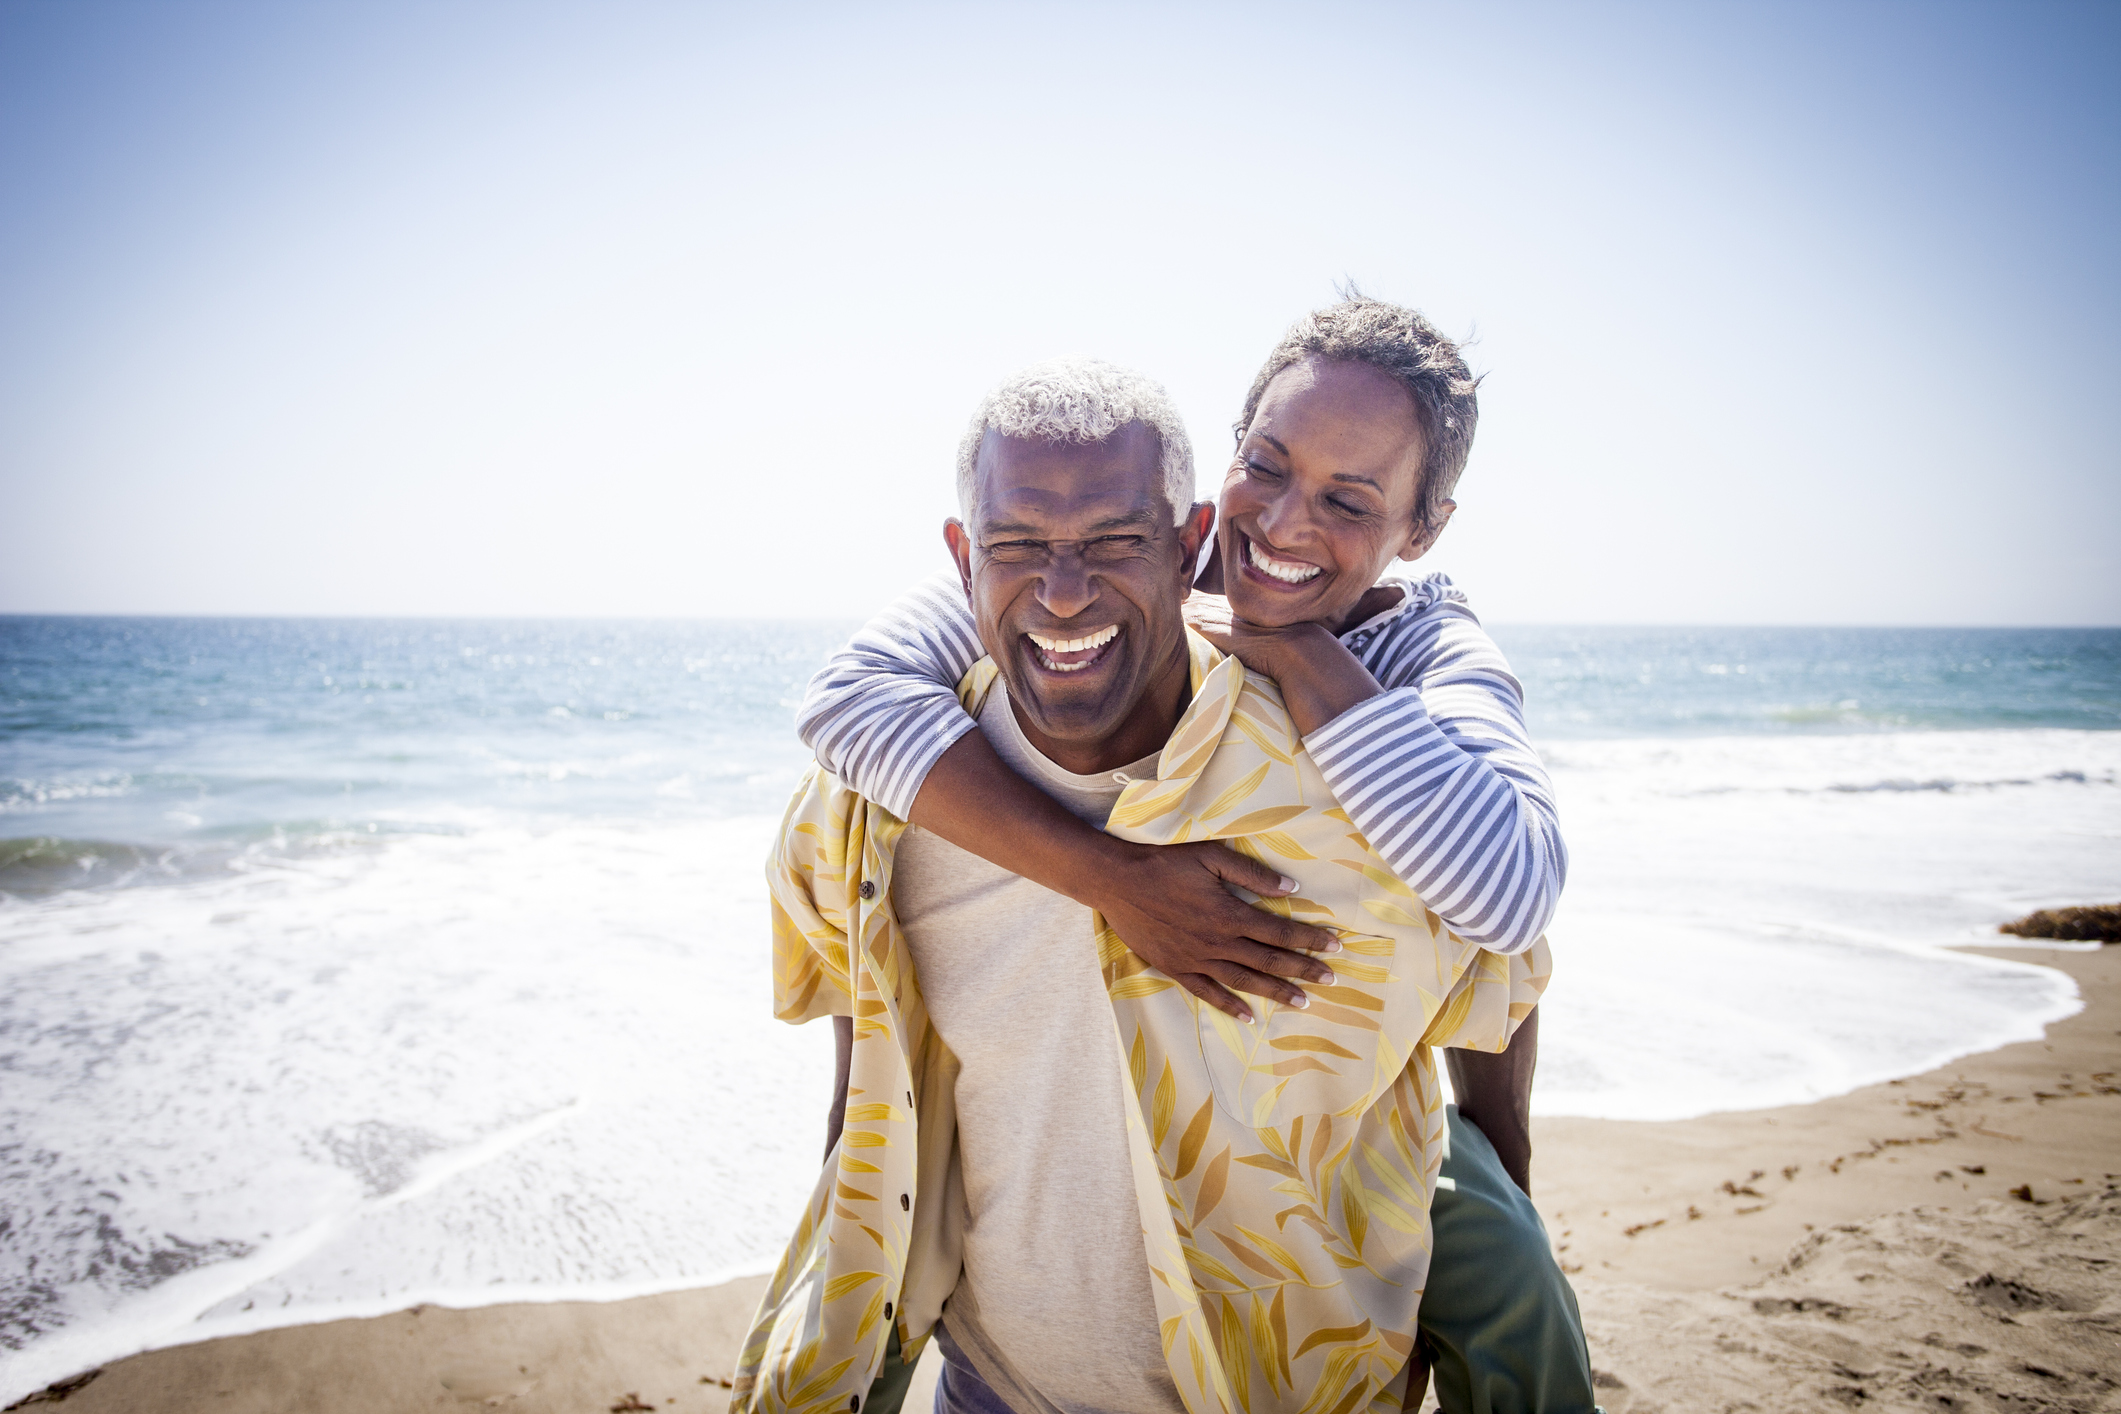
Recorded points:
(1948, 1242)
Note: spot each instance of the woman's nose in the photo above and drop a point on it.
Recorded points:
(1280, 518)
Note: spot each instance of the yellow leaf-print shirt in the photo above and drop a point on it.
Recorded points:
(1283, 1170)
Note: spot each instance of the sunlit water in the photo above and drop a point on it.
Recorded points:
(348, 965)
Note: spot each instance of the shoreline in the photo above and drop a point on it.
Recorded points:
(2006, 960)
(2015, 1112)
(1945, 1241)
(1678, 1235)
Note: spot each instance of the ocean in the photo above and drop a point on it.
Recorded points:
(354, 964)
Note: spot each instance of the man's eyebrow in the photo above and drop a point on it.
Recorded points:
(1143, 516)
(1127, 521)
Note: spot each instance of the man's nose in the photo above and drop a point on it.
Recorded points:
(1066, 589)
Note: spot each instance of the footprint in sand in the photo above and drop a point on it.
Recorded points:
(487, 1382)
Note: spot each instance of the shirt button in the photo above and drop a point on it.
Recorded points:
(868, 888)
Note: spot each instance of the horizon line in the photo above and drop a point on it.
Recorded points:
(444, 617)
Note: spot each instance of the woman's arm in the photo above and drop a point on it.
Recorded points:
(1442, 762)
(884, 709)
(1423, 740)
(883, 715)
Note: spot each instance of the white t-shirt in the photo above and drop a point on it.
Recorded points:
(1054, 1306)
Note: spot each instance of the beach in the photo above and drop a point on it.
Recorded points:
(443, 568)
(353, 968)
(1945, 1241)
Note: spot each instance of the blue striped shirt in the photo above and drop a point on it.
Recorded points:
(1438, 771)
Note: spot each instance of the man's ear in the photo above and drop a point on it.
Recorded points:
(959, 540)
(1193, 533)
(1422, 535)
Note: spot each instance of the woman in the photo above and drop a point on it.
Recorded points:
(1353, 436)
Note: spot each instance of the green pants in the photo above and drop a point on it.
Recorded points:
(1498, 1319)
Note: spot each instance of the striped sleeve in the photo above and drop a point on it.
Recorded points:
(1438, 772)
(884, 708)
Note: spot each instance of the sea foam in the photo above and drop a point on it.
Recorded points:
(1755, 921)
(496, 1066)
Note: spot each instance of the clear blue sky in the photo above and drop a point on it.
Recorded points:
(1790, 313)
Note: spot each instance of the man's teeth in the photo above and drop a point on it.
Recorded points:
(1287, 571)
(1077, 645)
(1049, 646)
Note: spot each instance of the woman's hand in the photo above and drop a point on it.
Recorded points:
(1319, 677)
(1172, 905)
(1209, 616)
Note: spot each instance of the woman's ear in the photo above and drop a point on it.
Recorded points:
(1423, 534)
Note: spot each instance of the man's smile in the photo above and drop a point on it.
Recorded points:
(1072, 655)
(1277, 569)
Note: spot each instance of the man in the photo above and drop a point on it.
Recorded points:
(1125, 1200)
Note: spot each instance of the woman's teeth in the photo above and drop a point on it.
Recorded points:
(1287, 571)
(1088, 643)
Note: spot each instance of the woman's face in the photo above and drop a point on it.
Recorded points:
(1322, 494)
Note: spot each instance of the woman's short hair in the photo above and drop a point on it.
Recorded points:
(1421, 360)
(1079, 400)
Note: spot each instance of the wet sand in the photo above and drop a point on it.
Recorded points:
(1947, 1242)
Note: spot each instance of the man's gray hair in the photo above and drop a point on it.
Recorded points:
(1079, 400)
(1399, 342)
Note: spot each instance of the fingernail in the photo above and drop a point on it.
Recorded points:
(1288, 885)
(1328, 980)
(1300, 1001)
(1245, 1017)
(1333, 946)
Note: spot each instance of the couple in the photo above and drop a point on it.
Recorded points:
(1064, 1145)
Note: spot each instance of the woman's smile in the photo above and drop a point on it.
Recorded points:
(1277, 567)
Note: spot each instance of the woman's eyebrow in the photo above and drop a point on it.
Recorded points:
(1359, 480)
(1271, 440)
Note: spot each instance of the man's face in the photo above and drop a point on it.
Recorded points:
(1075, 573)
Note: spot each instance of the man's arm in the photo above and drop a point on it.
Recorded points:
(842, 1057)
(1495, 1092)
